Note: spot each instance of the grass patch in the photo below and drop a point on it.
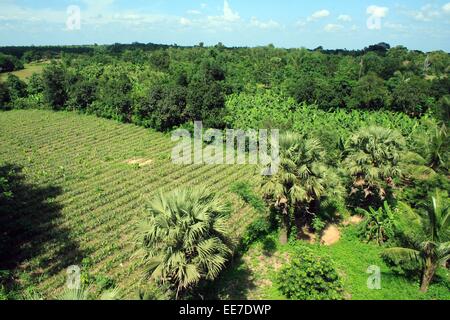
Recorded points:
(27, 72)
(254, 275)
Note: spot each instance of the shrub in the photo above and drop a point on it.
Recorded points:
(257, 230)
(17, 88)
(9, 63)
(378, 225)
(310, 277)
(318, 224)
(35, 101)
(5, 97)
(104, 283)
(246, 193)
(35, 84)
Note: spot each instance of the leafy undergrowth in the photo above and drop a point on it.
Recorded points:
(80, 186)
(253, 276)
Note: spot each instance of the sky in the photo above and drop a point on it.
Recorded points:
(350, 24)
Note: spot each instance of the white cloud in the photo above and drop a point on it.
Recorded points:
(228, 13)
(271, 24)
(319, 15)
(395, 26)
(194, 12)
(185, 22)
(333, 27)
(426, 13)
(345, 18)
(446, 7)
(301, 23)
(377, 12)
(224, 21)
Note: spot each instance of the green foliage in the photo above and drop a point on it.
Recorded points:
(185, 239)
(5, 97)
(378, 225)
(265, 109)
(373, 162)
(35, 84)
(54, 85)
(318, 224)
(164, 108)
(81, 94)
(5, 186)
(310, 277)
(113, 100)
(16, 87)
(426, 240)
(103, 282)
(155, 291)
(84, 293)
(256, 231)
(412, 96)
(9, 63)
(244, 190)
(302, 181)
(370, 93)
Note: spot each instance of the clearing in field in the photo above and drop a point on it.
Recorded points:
(27, 72)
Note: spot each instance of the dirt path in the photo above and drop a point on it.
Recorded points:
(331, 235)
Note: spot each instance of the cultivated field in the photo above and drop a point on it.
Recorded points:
(81, 185)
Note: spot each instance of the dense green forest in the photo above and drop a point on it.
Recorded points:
(363, 133)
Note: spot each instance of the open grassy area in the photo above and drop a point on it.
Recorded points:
(81, 187)
(27, 72)
(254, 275)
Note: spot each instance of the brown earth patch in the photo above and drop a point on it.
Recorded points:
(141, 162)
(331, 235)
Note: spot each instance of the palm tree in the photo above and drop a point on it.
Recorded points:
(300, 182)
(185, 238)
(83, 294)
(438, 148)
(433, 145)
(373, 162)
(429, 239)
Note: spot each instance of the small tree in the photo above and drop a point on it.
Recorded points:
(302, 181)
(373, 163)
(185, 239)
(54, 85)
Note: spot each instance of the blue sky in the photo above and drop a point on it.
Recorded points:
(351, 24)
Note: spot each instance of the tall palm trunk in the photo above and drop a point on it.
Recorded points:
(428, 274)
(285, 226)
